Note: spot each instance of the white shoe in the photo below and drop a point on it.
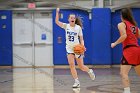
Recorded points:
(91, 74)
(76, 85)
(76, 90)
(126, 92)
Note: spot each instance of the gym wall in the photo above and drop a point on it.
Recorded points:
(5, 38)
(99, 32)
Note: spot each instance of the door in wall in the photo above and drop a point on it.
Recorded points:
(32, 39)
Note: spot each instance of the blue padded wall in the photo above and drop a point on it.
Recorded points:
(5, 38)
(117, 51)
(101, 36)
(59, 50)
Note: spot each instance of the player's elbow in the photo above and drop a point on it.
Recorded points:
(56, 21)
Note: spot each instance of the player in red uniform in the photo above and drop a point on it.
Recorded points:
(129, 34)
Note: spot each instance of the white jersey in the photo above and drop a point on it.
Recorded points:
(72, 34)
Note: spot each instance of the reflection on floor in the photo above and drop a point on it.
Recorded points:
(48, 80)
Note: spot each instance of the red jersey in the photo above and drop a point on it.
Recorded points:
(132, 35)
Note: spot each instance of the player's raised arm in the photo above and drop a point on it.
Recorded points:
(57, 18)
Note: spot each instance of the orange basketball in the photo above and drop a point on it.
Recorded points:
(79, 49)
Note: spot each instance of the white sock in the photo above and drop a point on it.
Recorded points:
(77, 81)
(127, 89)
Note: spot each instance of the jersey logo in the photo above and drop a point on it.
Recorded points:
(71, 33)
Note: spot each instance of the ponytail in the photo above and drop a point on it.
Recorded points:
(78, 21)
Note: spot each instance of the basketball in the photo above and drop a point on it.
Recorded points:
(79, 49)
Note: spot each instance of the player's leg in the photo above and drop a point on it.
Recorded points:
(124, 70)
(85, 68)
(71, 62)
(81, 64)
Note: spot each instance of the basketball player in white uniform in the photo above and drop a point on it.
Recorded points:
(74, 36)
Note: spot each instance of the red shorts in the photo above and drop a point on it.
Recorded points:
(132, 55)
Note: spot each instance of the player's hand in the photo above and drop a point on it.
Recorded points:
(57, 10)
(113, 45)
(85, 48)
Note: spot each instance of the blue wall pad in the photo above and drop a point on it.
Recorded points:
(59, 50)
(5, 38)
(101, 36)
(117, 51)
